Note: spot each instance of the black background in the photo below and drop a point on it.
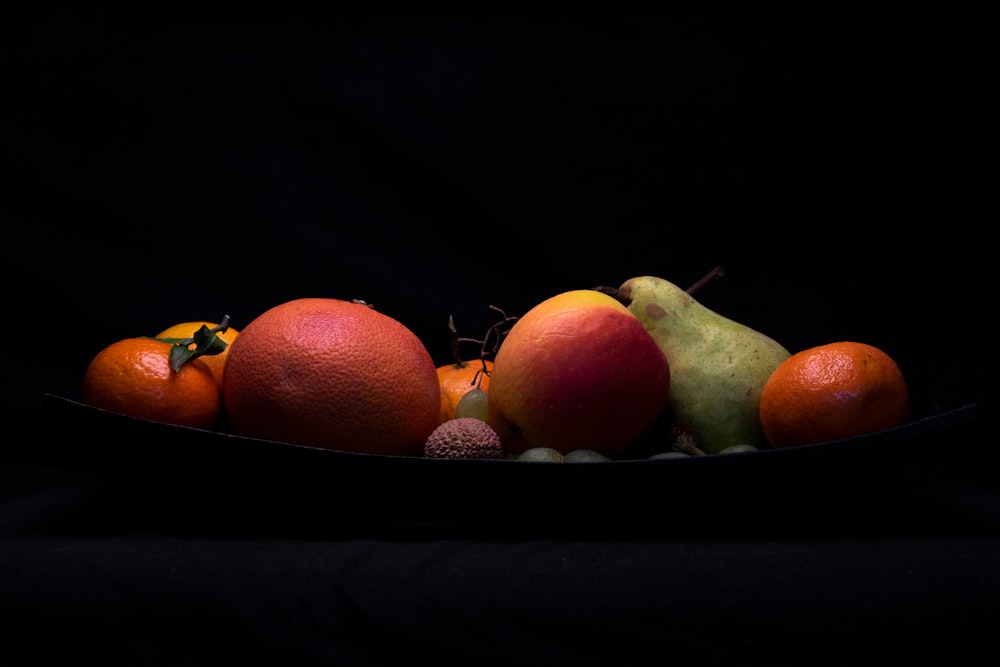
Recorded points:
(165, 166)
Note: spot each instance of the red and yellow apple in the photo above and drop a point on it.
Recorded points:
(577, 371)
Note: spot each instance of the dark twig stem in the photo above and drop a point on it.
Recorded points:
(714, 274)
(617, 294)
(495, 333)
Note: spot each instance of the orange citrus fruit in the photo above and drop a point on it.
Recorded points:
(832, 391)
(216, 362)
(332, 374)
(133, 377)
(456, 379)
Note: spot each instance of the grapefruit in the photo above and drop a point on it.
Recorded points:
(333, 374)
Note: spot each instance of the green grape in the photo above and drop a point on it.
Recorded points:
(585, 456)
(473, 404)
(736, 449)
(544, 454)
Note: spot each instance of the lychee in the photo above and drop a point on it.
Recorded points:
(464, 438)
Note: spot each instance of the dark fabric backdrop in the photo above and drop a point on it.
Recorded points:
(166, 165)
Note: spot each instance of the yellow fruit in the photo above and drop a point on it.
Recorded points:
(216, 362)
(456, 380)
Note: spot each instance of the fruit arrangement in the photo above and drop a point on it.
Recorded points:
(642, 370)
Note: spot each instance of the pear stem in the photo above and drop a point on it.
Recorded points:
(621, 297)
(712, 275)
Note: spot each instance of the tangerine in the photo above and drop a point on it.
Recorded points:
(134, 377)
(457, 379)
(216, 362)
(332, 374)
(832, 391)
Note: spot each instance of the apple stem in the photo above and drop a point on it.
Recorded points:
(614, 293)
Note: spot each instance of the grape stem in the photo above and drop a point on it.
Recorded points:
(495, 333)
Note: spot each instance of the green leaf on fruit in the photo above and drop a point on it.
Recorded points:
(207, 342)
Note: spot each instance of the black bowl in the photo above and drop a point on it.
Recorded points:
(218, 480)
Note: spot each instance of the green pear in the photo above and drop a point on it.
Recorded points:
(717, 366)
